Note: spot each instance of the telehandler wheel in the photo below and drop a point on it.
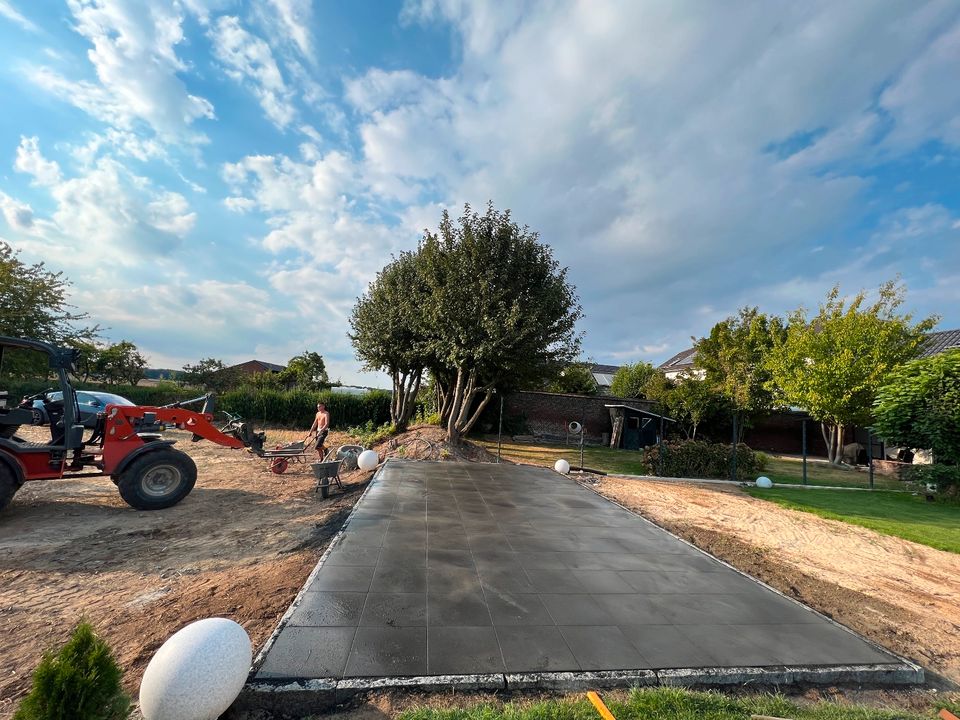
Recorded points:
(8, 485)
(157, 479)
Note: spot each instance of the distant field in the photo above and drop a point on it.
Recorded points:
(898, 514)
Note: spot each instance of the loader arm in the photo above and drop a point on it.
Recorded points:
(123, 423)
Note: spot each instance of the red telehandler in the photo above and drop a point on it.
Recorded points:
(126, 444)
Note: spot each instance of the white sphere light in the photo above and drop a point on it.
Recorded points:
(561, 466)
(367, 460)
(764, 482)
(197, 673)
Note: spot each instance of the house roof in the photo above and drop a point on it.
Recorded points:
(939, 342)
(681, 360)
(603, 374)
(638, 411)
(259, 366)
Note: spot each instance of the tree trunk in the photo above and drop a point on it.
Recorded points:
(694, 436)
(456, 400)
(476, 415)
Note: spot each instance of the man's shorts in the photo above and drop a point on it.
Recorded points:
(321, 437)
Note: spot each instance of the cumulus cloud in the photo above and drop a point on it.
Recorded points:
(248, 60)
(138, 71)
(31, 161)
(105, 211)
(663, 152)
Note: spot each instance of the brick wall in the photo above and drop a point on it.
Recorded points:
(548, 414)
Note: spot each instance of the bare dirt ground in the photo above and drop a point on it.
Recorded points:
(900, 594)
(239, 546)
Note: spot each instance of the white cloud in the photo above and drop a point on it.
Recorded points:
(31, 161)
(920, 102)
(248, 60)
(19, 216)
(103, 213)
(636, 137)
(11, 13)
(295, 17)
(134, 56)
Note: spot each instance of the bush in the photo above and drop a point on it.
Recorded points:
(697, 459)
(368, 434)
(80, 682)
(946, 478)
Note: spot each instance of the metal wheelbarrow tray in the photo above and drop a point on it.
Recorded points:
(324, 472)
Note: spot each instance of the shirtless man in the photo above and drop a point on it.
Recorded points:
(321, 426)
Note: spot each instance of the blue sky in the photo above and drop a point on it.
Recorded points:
(223, 178)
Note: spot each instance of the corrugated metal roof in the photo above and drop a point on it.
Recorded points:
(603, 379)
(603, 369)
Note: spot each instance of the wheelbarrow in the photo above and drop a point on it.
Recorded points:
(280, 457)
(325, 472)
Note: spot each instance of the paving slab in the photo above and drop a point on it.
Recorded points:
(503, 571)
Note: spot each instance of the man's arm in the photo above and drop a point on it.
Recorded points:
(316, 424)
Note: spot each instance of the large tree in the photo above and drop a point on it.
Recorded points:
(631, 380)
(210, 374)
(733, 360)
(688, 400)
(306, 371)
(33, 304)
(501, 315)
(120, 363)
(833, 363)
(482, 305)
(919, 406)
(388, 331)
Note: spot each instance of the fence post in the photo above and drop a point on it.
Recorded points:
(733, 446)
(870, 454)
(804, 451)
(660, 449)
(500, 428)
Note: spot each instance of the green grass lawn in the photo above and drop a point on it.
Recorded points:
(790, 470)
(663, 703)
(628, 462)
(899, 514)
(609, 460)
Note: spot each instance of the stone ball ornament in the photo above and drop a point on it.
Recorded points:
(368, 460)
(561, 466)
(764, 482)
(197, 673)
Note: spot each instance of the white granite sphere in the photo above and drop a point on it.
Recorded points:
(764, 482)
(197, 673)
(367, 460)
(561, 466)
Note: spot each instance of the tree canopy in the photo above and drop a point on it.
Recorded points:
(482, 304)
(576, 379)
(306, 371)
(210, 374)
(631, 380)
(919, 406)
(733, 358)
(833, 364)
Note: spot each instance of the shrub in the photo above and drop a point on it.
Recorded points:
(946, 478)
(697, 459)
(80, 682)
(368, 434)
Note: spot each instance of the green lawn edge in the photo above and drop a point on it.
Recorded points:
(665, 703)
(901, 515)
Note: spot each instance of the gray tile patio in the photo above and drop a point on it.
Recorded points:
(448, 569)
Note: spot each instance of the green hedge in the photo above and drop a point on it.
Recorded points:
(293, 408)
(296, 408)
(697, 459)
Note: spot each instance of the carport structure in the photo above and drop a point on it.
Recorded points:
(513, 576)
